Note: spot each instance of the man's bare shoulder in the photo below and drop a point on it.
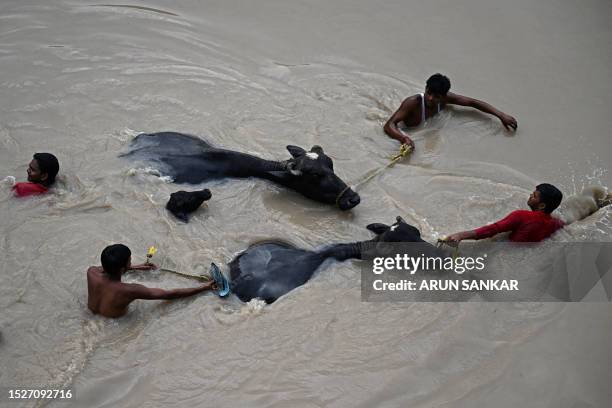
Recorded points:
(408, 105)
(456, 99)
(94, 273)
(97, 277)
(412, 99)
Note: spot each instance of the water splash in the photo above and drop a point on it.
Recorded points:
(126, 135)
(139, 171)
(8, 181)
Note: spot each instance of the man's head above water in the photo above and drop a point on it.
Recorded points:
(43, 168)
(436, 89)
(545, 197)
(116, 259)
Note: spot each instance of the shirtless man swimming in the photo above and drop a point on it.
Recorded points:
(110, 297)
(418, 108)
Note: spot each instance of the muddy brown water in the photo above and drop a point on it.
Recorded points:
(81, 79)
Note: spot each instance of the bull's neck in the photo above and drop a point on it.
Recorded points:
(247, 165)
(342, 252)
(353, 250)
(266, 166)
(260, 166)
(371, 248)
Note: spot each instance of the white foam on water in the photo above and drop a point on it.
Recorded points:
(8, 181)
(253, 307)
(126, 134)
(140, 171)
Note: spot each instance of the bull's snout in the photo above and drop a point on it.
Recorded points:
(351, 199)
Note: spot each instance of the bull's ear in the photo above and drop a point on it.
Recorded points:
(400, 219)
(378, 228)
(317, 149)
(326, 159)
(296, 151)
(328, 162)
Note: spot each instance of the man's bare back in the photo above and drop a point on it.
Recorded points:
(106, 297)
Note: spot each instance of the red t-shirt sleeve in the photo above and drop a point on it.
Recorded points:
(509, 223)
(25, 189)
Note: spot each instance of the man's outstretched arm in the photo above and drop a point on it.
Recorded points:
(460, 236)
(143, 267)
(508, 121)
(136, 291)
(507, 224)
(402, 113)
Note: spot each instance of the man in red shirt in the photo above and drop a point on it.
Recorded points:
(41, 175)
(525, 225)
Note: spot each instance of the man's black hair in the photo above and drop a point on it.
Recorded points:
(549, 195)
(438, 84)
(48, 164)
(114, 257)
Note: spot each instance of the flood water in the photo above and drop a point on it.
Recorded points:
(81, 79)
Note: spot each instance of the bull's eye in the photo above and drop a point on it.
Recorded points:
(292, 170)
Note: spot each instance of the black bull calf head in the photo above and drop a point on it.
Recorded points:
(314, 172)
(401, 231)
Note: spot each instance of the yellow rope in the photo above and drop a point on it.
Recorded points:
(187, 275)
(152, 251)
(404, 151)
